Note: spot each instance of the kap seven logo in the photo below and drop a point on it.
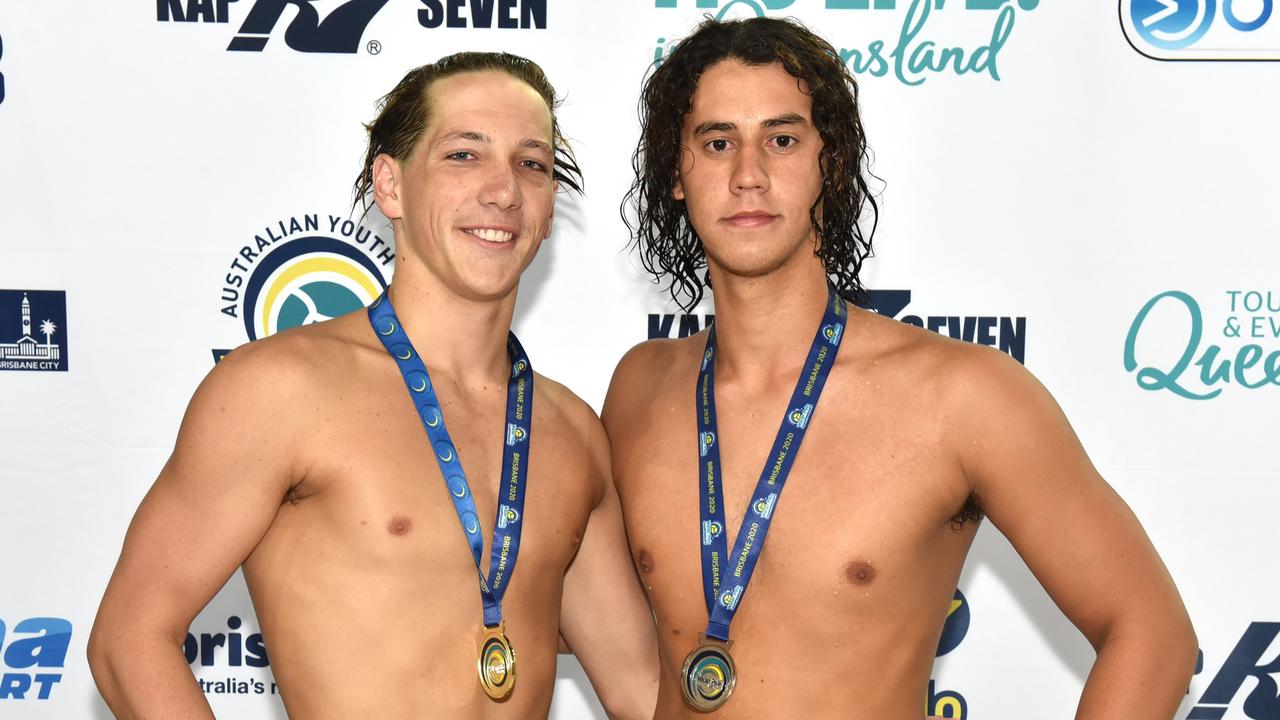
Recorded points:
(1202, 29)
(342, 28)
(906, 39)
(303, 270)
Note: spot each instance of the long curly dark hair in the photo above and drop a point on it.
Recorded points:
(403, 113)
(668, 243)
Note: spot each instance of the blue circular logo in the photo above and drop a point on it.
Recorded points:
(1172, 24)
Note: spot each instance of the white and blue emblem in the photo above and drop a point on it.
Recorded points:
(764, 506)
(507, 516)
(706, 358)
(729, 598)
(515, 433)
(710, 531)
(833, 332)
(705, 441)
(800, 416)
(518, 368)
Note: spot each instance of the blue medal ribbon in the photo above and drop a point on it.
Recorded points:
(725, 576)
(515, 452)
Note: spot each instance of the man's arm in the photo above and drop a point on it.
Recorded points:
(1075, 533)
(212, 502)
(604, 618)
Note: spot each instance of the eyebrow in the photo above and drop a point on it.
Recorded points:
(773, 122)
(477, 136)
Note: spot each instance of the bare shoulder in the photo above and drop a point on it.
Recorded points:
(648, 368)
(560, 407)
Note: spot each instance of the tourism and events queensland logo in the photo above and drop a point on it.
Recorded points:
(1202, 29)
(304, 269)
(33, 330)
(341, 28)
(1174, 346)
(908, 40)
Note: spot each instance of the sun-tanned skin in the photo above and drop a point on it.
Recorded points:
(302, 458)
(843, 614)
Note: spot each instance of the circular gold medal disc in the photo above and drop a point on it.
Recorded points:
(707, 676)
(497, 663)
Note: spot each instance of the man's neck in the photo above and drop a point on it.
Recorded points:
(765, 325)
(462, 338)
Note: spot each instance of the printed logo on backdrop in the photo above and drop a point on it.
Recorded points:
(341, 29)
(1246, 680)
(908, 40)
(1173, 347)
(1008, 334)
(302, 270)
(1, 74)
(229, 660)
(949, 703)
(1202, 29)
(33, 330)
(34, 653)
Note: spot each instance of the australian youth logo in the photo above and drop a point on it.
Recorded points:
(515, 434)
(799, 417)
(342, 27)
(729, 598)
(34, 656)
(33, 330)
(833, 332)
(507, 516)
(1202, 29)
(302, 270)
(1005, 333)
(705, 441)
(1173, 347)
(710, 531)
(764, 506)
(908, 40)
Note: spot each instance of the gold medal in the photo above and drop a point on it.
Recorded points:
(497, 663)
(708, 675)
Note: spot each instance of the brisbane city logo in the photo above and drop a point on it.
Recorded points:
(1205, 30)
(26, 314)
(341, 29)
(300, 270)
(900, 39)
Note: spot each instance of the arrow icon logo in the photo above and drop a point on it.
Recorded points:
(1170, 7)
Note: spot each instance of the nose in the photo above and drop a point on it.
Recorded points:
(749, 171)
(501, 189)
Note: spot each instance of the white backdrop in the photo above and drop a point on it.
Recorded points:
(1062, 184)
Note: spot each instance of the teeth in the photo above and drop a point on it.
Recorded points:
(498, 236)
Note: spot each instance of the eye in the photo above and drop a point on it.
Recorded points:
(534, 165)
(718, 145)
(460, 155)
(784, 142)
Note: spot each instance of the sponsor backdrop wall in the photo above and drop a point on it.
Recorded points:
(1088, 186)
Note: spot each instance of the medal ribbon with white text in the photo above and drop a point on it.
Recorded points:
(723, 586)
(515, 453)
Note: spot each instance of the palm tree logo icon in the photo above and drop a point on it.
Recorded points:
(48, 328)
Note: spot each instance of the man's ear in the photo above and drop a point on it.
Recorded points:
(387, 186)
(678, 192)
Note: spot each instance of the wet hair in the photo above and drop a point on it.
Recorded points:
(668, 244)
(404, 112)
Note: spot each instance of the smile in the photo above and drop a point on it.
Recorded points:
(492, 235)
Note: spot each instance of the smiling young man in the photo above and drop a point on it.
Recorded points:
(397, 567)
(827, 600)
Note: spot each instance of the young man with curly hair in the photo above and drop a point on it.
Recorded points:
(827, 600)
